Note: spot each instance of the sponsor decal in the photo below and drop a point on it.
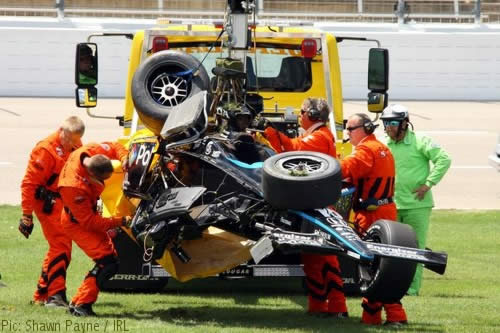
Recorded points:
(395, 251)
(298, 239)
(238, 271)
(133, 153)
(133, 277)
(209, 148)
(143, 155)
(105, 146)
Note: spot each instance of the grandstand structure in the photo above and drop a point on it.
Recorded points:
(401, 11)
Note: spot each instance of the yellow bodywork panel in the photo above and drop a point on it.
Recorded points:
(115, 203)
(217, 251)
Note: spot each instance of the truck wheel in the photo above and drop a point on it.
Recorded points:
(301, 180)
(389, 278)
(163, 81)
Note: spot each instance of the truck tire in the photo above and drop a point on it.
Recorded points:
(318, 187)
(390, 278)
(164, 81)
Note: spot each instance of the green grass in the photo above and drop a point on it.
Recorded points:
(465, 299)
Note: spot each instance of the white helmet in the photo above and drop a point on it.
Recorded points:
(395, 112)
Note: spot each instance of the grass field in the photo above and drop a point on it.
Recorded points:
(465, 299)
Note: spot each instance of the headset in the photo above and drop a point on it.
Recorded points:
(314, 113)
(368, 126)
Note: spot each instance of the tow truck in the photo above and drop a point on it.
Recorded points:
(282, 63)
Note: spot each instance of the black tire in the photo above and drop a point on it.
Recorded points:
(319, 187)
(390, 278)
(156, 88)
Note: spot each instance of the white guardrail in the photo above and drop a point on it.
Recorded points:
(427, 62)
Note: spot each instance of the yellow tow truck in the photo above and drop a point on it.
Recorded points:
(281, 66)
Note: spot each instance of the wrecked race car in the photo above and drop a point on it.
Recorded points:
(211, 201)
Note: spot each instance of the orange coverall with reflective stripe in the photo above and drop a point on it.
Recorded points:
(80, 219)
(46, 161)
(323, 280)
(371, 169)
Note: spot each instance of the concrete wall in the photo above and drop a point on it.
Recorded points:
(454, 62)
(433, 63)
(38, 56)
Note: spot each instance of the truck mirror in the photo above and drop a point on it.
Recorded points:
(86, 64)
(378, 70)
(378, 79)
(86, 97)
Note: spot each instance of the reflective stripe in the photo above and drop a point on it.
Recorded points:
(374, 188)
(72, 218)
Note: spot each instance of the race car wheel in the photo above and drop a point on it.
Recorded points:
(301, 180)
(165, 80)
(389, 278)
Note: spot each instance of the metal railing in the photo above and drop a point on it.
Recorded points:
(401, 11)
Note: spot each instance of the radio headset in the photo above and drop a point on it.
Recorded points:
(368, 126)
(313, 112)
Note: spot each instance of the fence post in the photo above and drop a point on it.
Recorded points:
(60, 9)
(456, 8)
(401, 11)
(477, 12)
(260, 7)
(360, 6)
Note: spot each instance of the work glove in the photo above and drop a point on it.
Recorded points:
(26, 225)
(261, 123)
(127, 221)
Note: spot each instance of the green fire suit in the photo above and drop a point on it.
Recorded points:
(412, 156)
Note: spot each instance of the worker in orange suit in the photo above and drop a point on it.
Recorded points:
(39, 194)
(80, 185)
(371, 170)
(323, 281)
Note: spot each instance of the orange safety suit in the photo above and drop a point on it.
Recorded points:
(45, 164)
(371, 169)
(83, 223)
(319, 139)
(323, 280)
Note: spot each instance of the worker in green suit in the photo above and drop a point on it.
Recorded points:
(420, 164)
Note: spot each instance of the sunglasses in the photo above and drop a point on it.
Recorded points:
(391, 122)
(350, 129)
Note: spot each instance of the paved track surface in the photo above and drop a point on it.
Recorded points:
(468, 130)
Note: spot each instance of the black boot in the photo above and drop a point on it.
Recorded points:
(82, 310)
